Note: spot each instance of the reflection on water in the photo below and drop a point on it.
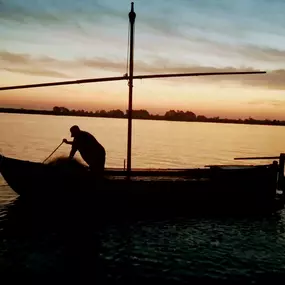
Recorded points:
(70, 242)
(155, 143)
(48, 240)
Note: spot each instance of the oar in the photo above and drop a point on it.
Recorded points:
(53, 152)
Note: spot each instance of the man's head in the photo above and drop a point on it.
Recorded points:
(74, 131)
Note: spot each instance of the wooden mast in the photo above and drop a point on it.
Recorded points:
(132, 17)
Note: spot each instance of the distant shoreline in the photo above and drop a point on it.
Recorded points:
(178, 116)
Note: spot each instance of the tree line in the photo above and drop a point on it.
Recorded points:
(171, 115)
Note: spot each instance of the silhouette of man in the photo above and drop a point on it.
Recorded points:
(89, 148)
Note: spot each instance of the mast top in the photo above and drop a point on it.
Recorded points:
(132, 14)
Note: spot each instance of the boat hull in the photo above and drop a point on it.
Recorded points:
(149, 191)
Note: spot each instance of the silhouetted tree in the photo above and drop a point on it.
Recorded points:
(142, 114)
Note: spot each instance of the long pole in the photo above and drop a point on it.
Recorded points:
(119, 78)
(132, 17)
(256, 157)
(52, 152)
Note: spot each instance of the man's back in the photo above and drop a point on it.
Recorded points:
(87, 145)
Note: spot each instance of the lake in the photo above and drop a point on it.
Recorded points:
(155, 143)
(50, 245)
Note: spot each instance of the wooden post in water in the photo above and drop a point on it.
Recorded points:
(132, 17)
(281, 172)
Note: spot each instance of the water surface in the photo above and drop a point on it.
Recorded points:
(63, 243)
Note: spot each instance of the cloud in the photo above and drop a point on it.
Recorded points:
(186, 29)
(25, 64)
(262, 53)
(272, 79)
(234, 53)
(14, 58)
(22, 58)
(48, 66)
(273, 103)
(37, 71)
(55, 12)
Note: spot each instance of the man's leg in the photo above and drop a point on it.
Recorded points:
(97, 166)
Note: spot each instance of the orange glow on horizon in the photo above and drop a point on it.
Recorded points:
(201, 96)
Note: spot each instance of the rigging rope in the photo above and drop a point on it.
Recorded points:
(128, 51)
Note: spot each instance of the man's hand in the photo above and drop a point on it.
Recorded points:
(64, 140)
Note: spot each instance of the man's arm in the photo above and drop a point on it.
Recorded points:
(73, 148)
(67, 142)
(73, 151)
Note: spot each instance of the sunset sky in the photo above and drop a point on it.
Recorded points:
(55, 40)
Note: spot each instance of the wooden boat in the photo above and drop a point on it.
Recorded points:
(161, 190)
(170, 191)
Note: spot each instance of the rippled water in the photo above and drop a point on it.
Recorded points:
(65, 244)
(60, 243)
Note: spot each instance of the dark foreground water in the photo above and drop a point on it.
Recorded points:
(69, 243)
